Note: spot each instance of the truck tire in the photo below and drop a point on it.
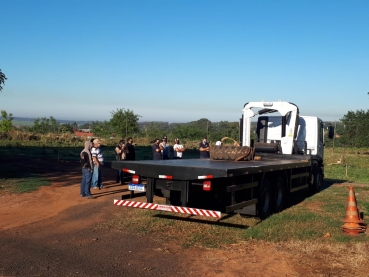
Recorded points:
(279, 194)
(231, 153)
(316, 179)
(264, 199)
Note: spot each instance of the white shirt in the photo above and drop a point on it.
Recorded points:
(96, 152)
(177, 154)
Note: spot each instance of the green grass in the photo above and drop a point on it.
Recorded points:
(14, 180)
(313, 218)
(309, 220)
(353, 166)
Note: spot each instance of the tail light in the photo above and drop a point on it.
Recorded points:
(136, 179)
(206, 186)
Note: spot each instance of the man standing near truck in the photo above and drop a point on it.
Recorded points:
(178, 149)
(130, 150)
(204, 149)
(156, 152)
(164, 146)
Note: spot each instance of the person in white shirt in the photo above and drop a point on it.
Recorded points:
(178, 149)
(98, 160)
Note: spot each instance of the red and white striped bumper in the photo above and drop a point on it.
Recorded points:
(167, 208)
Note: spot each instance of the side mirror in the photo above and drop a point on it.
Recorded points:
(330, 132)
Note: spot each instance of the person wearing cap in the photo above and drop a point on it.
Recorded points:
(178, 149)
(204, 149)
(156, 151)
(98, 160)
(164, 147)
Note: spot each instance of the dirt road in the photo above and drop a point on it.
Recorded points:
(54, 232)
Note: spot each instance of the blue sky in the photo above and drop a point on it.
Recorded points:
(179, 61)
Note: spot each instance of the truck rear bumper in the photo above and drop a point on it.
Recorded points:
(167, 208)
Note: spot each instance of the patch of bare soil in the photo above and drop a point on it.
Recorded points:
(55, 232)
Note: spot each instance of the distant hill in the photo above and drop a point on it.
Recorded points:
(27, 121)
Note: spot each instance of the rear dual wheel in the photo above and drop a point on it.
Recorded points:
(316, 179)
(264, 203)
(279, 195)
(271, 198)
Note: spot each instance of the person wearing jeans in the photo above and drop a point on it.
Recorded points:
(98, 160)
(86, 162)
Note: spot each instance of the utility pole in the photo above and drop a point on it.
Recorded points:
(334, 135)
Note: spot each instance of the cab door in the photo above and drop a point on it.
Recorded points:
(320, 144)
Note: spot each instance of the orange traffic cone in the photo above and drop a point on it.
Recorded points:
(354, 225)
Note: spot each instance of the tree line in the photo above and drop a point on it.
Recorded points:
(125, 123)
(352, 130)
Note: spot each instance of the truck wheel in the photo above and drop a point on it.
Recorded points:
(263, 205)
(279, 195)
(317, 179)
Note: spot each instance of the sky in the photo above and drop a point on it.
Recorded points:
(180, 61)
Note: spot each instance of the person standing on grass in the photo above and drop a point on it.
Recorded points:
(130, 150)
(156, 152)
(178, 149)
(120, 154)
(98, 160)
(87, 168)
(204, 149)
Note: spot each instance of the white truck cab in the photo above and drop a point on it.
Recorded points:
(284, 130)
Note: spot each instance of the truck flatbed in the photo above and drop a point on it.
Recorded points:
(191, 169)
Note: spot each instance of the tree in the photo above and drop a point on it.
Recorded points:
(2, 79)
(45, 125)
(152, 131)
(101, 129)
(67, 127)
(356, 129)
(188, 131)
(124, 122)
(6, 123)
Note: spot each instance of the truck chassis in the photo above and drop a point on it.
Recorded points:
(225, 186)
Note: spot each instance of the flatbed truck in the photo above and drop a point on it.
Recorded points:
(290, 150)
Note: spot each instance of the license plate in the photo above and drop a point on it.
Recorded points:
(137, 187)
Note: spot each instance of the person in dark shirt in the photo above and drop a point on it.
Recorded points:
(130, 150)
(156, 151)
(120, 154)
(204, 149)
(87, 168)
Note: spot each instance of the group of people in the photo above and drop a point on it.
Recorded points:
(92, 160)
(161, 150)
(124, 152)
